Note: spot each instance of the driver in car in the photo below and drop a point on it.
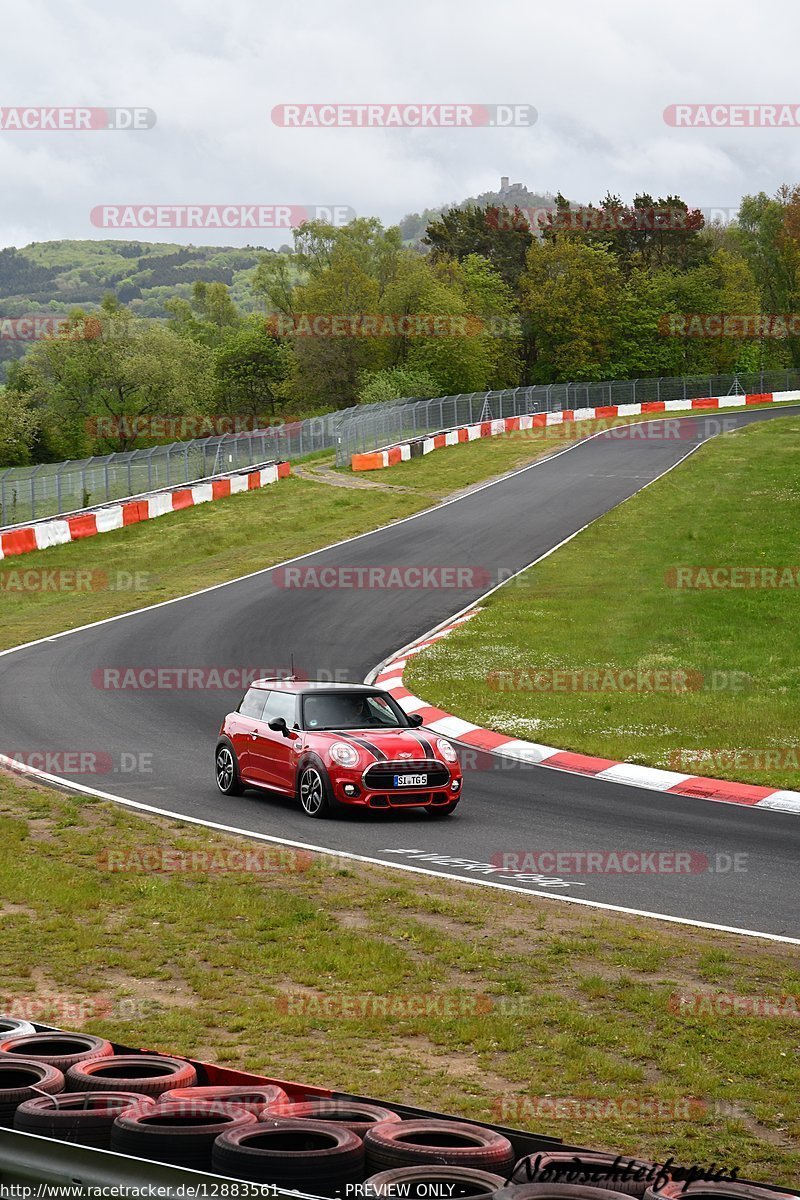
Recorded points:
(354, 712)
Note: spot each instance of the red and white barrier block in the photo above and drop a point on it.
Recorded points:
(390, 456)
(58, 530)
(390, 677)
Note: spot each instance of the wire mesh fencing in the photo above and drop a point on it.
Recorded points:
(361, 431)
(48, 489)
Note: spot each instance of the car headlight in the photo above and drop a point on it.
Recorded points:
(446, 750)
(344, 754)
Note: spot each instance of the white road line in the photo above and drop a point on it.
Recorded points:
(81, 789)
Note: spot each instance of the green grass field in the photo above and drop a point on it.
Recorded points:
(606, 602)
(524, 1001)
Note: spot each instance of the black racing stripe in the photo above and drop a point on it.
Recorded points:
(365, 745)
(426, 746)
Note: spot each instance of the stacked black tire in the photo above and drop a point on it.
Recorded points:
(61, 1050)
(85, 1118)
(73, 1087)
(319, 1157)
(182, 1132)
(438, 1143)
(21, 1079)
(148, 1074)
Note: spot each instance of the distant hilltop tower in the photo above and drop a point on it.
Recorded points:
(507, 189)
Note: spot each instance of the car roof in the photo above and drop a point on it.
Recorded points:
(301, 686)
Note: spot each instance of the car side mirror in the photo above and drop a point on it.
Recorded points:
(279, 726)
(414, 719)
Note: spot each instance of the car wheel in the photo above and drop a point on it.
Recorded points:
(226, 769)
(314, 790)
(441, 810)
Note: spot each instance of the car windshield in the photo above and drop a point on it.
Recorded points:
(362, 710)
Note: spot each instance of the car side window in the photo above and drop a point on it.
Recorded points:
(281, 704)
(253, 704)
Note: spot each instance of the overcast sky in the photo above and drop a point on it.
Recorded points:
(599, 74)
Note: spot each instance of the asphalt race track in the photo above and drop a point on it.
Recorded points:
(49, 700)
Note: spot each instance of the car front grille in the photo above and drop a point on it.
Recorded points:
(381, 775)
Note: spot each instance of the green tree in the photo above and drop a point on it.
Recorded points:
(647, 234)
(769, 229)
(396, 383)
(570, 298)
(249, 368)
(94, 391)
(501, 235)
(326, 367)
(447, 340)
(656, 306)
(18, 428)
(208, 317)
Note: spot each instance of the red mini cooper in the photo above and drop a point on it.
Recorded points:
(331, 744)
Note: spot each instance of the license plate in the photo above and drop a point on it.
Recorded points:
(410, 781)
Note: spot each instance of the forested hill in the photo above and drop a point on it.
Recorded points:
(57, 276)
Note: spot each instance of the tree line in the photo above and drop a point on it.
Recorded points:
(492, 297)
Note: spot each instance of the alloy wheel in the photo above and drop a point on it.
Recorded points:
(225, 769)
(312, 791)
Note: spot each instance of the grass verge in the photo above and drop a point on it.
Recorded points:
(607, 602)
(522, 1000)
